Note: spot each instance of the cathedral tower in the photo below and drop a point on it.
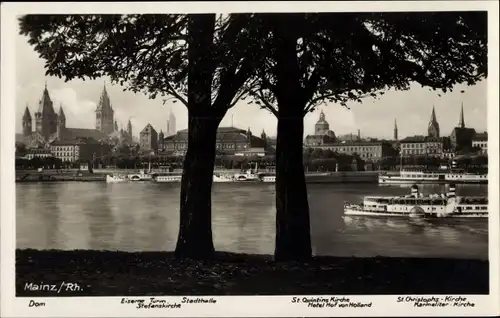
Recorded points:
(433, 129)
(105, 114)
(27, 122)
(46, 117)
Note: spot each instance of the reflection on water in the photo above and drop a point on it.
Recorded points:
(145, 216)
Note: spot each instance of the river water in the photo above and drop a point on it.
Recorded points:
(145, 217)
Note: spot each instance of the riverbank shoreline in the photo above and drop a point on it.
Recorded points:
(113, 273)
(327, 177)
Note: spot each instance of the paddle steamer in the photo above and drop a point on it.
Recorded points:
(447, 205)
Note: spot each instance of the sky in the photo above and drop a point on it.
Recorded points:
(374, 117)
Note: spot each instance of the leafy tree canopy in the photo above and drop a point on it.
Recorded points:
(143, 53)
(344, 57)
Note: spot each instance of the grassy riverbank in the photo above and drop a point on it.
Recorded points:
(104, 273)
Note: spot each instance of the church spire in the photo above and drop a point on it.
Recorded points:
(104, 102)
(61, 112)
(433, 114)
(433, 130)
(27, 114)
(461, 124)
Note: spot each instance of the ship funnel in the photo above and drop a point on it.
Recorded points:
(451, 191)
(414, 190)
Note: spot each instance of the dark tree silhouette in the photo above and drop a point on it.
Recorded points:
(343, 57)
(150, 54)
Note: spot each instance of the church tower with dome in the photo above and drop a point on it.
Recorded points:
(322, 133)
(322, 126)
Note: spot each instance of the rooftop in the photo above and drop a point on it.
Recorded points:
(224, 134)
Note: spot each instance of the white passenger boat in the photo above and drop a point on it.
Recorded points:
(115, 178)
(141, 176)
(426, 177)
(269, 179)
(222, 178)
(249, 175)
(420, 206)
(442, 175)
(167, 178)
(253, 175)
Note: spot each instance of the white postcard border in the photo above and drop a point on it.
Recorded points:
(231, 306)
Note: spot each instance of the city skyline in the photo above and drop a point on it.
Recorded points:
(374, 118)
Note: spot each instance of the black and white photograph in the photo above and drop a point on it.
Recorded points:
(236, 159)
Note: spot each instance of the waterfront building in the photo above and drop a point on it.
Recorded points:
(422, 145)
(366, 150)
(51, 125)
(480, 140)
(148, 139)
(461, 137)
(449, 153)
(229, 141)
(433, 129)
(78, 150)
(39, 153)
(322, 133)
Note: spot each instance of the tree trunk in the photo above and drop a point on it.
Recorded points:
(195, 231)
(293, 237)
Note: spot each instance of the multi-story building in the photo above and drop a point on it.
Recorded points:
(39, 153)
(148, 139)
(367, 150)
(78, 150)
(480, 140)
(229, 141)
(421, 145)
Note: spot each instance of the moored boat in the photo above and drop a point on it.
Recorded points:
(416, 205)
(115, 178)
(428, 177)
(141, 176)
(222, 178)
(269, 179)
(167, 178)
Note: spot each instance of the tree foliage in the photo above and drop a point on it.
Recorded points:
(143, 53)
(345, 57)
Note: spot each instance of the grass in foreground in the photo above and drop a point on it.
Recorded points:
(107, 273)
